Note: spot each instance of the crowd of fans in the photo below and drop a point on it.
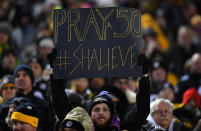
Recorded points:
(31, 100)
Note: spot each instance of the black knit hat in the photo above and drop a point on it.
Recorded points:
(26, 112)
(25, 68)
(102, 97)
(18, 100)
(159, 64)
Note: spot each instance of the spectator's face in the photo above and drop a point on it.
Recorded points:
(8, 92)
(43, 51)
(100, 115)
(166, 93)
(192, 102)
(161, 21)
(36, 68)
(133, 85)
(185, 37)
(97, 83)
(122, 84)
(23, 82)
(22, 126)
(9, 62)
(158, 75)
(196, 64)
(162, 115)
(81, 84)
(3, 37)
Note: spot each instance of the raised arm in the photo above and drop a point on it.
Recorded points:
(136, 117)
(60, 100)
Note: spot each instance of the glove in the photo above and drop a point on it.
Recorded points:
(145, 63)
(51, 57)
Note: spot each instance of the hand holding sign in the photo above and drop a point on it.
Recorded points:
(145, 63)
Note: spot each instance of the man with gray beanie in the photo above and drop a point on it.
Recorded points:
(24, 79)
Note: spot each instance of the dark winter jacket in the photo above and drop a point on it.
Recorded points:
(46, 115)
(188, 115)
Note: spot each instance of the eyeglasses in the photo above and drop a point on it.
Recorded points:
(97, 110)
(162, 112)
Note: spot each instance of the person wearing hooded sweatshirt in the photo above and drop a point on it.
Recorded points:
(101, 104)
(77, 120)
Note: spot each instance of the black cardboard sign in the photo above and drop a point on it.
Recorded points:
(97, 42)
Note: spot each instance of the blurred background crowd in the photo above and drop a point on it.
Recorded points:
(171, 31)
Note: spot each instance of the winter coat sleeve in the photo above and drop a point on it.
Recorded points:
(136, 117)
(60, 100)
